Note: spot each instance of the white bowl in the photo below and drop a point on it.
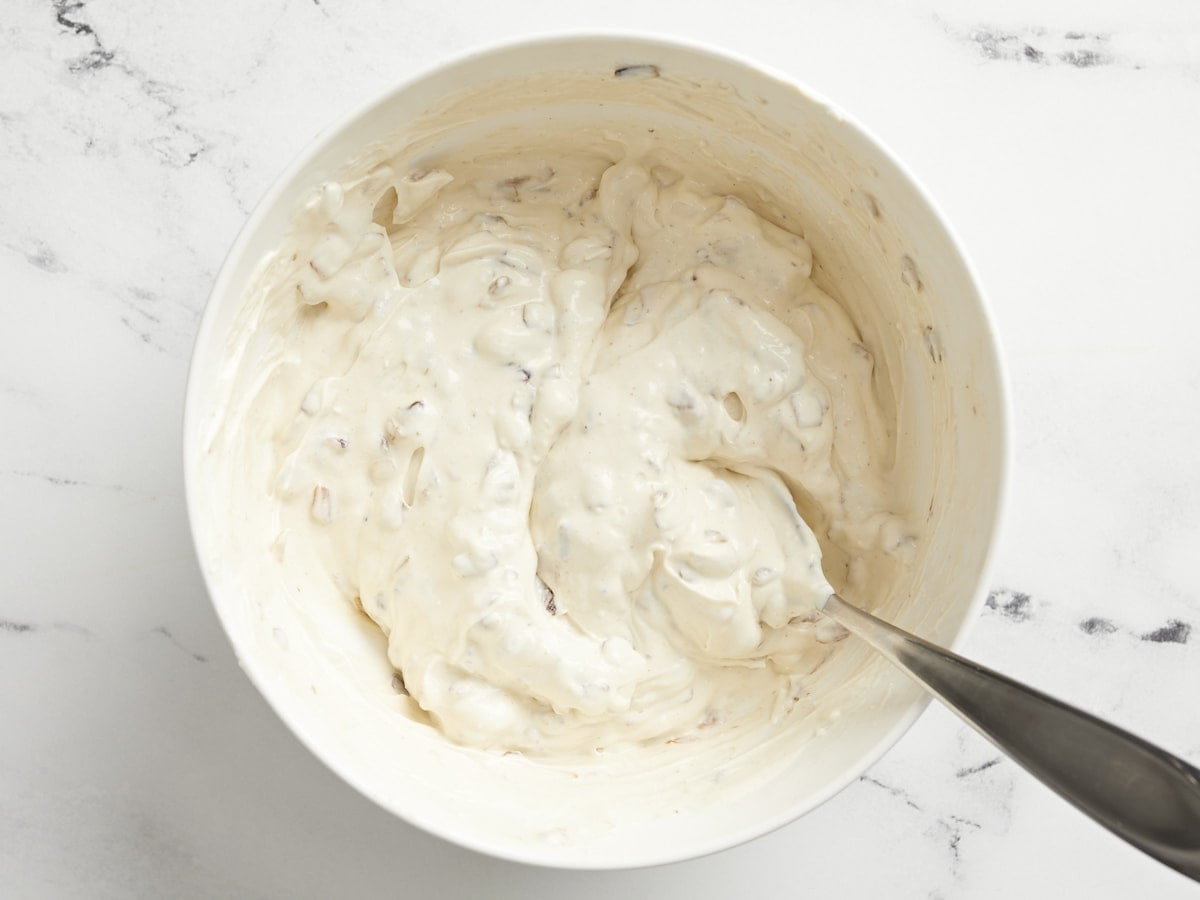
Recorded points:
(879, 243)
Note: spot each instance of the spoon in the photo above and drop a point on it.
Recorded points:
(1141, 793)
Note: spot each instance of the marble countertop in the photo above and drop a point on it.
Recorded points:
(1062, 139)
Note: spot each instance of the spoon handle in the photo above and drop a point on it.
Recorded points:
(1141, 793)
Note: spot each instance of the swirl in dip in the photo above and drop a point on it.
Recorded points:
(555, 422)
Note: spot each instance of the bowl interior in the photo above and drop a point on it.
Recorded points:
(880, 248)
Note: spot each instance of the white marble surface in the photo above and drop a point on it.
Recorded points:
(1062, 139)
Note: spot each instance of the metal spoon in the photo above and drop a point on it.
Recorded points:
(1136, 790)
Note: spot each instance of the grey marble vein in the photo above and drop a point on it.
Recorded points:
(1012, 605)
(967, 771)
(41, 256)
(1097, 625)
(1174, 632)
(180, 145)
(11, 626)
(166, 632)
(1080, 49)
(1042, 47)
(67, 482)
(952, 830)
(898, 793)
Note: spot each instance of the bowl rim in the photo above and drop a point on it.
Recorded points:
(555, 857)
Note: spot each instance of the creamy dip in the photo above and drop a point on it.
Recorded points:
(559, 424)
